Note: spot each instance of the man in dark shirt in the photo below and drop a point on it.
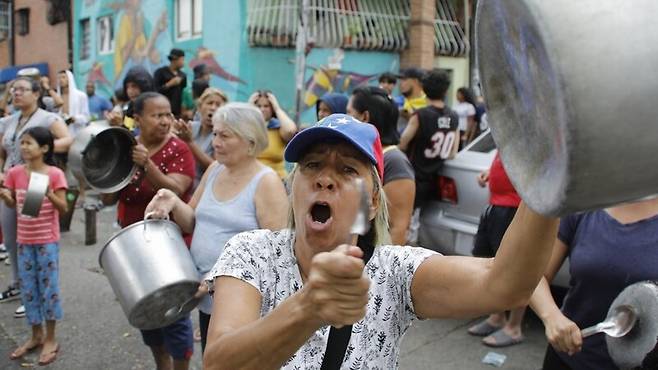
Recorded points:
(431, 136)
(171, 80)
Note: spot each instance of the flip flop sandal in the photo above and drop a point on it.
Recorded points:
(502, 339)
(482, 329)
(24, 350)
(50, 356)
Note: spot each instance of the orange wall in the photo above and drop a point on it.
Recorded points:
(43, 43)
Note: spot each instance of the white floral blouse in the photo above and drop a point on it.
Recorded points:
(265, 259)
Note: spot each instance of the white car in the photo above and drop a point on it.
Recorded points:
(449, 225)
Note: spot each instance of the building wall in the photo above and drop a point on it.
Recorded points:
(4, 53)
(238, 68)
(459, 71)
(44, 43)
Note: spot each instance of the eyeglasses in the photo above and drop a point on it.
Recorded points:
(19, 89)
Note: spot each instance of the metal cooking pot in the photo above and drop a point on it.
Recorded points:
(151, 272)
(102, 155)
(571, 98)
(36, 192)
(637, 349)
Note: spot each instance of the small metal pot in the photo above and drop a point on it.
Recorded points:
(638, 348)
(36, 192)
(151, 272)
(571, 98)
(102, 155)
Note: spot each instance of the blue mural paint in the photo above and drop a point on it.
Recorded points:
(144, 32)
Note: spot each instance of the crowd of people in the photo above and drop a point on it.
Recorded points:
(281, 270)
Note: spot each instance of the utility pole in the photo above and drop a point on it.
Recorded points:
(300, 58)
(10, 33)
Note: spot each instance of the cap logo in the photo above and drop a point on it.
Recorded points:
(338, 122)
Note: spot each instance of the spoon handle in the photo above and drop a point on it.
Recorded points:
(598, 328)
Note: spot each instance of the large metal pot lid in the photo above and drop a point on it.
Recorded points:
(145, 225)
(637, 349)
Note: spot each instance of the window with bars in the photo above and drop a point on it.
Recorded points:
(85, 39)
(351, 24)
(189, 19)
(4, 20)
(23, 21)
(105, 33)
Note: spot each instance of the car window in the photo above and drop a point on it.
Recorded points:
(482, 144)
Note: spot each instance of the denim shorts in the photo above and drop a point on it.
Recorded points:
(177, 338)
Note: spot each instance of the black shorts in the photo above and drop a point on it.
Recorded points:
(493, 224)
(426, 190)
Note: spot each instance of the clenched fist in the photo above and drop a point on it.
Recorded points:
(336, 288)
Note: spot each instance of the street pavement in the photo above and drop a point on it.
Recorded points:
(95, 334)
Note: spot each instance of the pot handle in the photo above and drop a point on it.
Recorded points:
(149, 216)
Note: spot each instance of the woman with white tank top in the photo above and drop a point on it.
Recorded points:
(237, 193)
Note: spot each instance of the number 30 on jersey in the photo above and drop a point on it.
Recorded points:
(440, 145)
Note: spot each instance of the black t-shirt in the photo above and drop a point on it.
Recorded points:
(434, 140)
(175, 93)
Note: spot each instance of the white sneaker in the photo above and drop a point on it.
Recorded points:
(3, 248)
(20, 312)
(3, 256)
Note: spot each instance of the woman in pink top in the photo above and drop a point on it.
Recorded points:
(38, 241)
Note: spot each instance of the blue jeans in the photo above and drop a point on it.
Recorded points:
(38, 279)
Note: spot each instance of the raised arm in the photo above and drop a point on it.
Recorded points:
(176, 182)
(239, 338)
(184, 132)
(335, 293)
(408, 134)
(166, 201)
(288, 128)
(467, 286)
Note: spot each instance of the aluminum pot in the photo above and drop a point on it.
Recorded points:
(101, 154)
(151, 272)
(570, 88)
(36, 192)
(638, 348)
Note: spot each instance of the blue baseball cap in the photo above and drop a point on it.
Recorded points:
(363, 136)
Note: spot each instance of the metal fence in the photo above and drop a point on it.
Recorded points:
(351, 24)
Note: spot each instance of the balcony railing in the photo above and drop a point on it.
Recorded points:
(351, 24)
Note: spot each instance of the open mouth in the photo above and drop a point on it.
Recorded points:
(320, 212)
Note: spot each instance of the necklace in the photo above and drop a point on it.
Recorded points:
(19, 125)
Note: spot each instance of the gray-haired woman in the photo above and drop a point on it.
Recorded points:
(237, 193)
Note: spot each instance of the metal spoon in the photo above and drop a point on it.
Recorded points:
(618, 323)
(361, 223)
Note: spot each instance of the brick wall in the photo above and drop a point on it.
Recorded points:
(421, 35)
(4, 53)
(44, 42)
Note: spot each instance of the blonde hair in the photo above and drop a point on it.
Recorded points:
(246, 121)
(212, 91)
(378, 226)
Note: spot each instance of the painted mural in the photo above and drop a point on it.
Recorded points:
(142, 32)
(330, 78)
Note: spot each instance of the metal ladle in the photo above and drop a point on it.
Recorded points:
(621, 320)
